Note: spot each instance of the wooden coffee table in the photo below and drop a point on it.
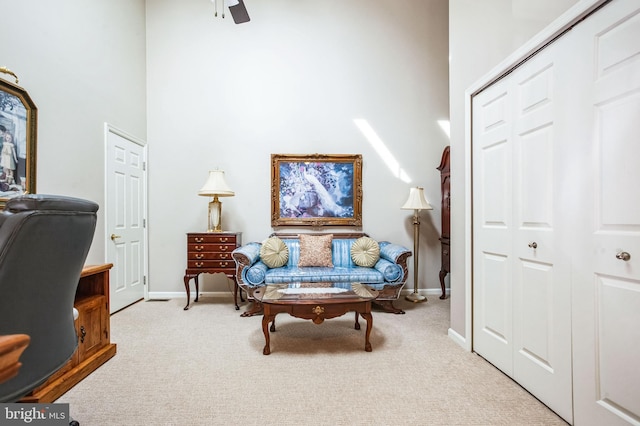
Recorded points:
(317, 302)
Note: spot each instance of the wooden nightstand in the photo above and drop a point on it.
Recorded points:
(210, 252)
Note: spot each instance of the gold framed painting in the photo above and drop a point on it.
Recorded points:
(18, 129)
(316, 190)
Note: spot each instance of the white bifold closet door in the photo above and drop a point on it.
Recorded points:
(522, 272)
(556, 211)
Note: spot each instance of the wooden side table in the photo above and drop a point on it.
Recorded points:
(210, 252)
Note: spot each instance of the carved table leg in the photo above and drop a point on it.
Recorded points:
(357, 327)
(443, 273)
(367, 344)
(255, 309)
(265, 330)
(235, 294)
(197, 288)
(186, 286)
(387, 305)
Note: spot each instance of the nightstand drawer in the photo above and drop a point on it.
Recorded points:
(217, 248)
(212, 264)
(208, 256)
(211, 239)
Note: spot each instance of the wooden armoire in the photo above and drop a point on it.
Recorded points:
(445, 186)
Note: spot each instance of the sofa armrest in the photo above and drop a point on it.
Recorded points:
(245, 256)
(393, 252)
(397, 254)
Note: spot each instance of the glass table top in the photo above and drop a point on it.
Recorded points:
(299, 291)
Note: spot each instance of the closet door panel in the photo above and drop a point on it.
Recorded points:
(606, 300)
(542, 289)
(492, 299)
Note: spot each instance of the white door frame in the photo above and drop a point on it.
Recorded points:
(108, 128)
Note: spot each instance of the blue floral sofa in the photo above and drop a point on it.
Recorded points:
(387, 273)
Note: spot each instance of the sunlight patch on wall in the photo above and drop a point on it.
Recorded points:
(381, 149)
(446, 127)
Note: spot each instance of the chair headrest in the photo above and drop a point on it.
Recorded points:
(30, 202)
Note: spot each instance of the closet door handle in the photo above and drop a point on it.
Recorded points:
(533, 245)
(623, 255)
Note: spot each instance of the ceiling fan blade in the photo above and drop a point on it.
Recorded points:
(239, 12)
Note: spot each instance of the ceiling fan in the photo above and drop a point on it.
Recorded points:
(236, 8)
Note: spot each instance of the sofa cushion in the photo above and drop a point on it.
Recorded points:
(365, 252)
(294, 274)
(274, 252)
(315, 250)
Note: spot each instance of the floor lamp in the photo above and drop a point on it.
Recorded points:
(416, 202)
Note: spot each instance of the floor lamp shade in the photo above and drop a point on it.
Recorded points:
(215, 186)
(416, 202)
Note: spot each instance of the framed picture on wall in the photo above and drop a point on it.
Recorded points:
(316, 190)
(18, 124)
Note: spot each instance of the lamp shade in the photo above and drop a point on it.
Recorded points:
(216, 185)
(416, 200)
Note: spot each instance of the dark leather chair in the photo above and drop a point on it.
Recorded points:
(44, 242)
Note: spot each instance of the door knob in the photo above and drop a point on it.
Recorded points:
(623, 255)
(114, 236)
(533, 245)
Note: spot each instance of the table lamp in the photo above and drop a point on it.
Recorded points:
(215, 187)
(416, 202)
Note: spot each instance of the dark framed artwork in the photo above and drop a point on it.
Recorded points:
(316, 190)
(18, 128)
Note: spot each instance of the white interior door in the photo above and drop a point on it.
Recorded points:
(606, 313)
(125, 217)
(522, 281)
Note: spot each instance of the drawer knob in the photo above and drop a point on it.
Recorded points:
(199, 248)
(199, 264)
(83, 333)
(199, 256)
(533, 245)
(199, 239)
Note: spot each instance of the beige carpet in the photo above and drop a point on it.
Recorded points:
(205, 367)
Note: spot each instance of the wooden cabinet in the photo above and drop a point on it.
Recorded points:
(445, 243)
(94, 336)
(210, 252)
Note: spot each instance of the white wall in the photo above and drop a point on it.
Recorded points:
(481, 34)
(83, 64)
(291, 81)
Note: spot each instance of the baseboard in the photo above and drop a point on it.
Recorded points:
(164, 295)
(453, 335)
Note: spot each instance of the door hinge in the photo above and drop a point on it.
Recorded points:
(144, 166)
(144, 280)
(144, 223)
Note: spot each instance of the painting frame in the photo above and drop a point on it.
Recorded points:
(316, 190)
(18, 125)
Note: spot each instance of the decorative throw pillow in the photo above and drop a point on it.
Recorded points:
(365, 252)
(315, 250)
(274, 252)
